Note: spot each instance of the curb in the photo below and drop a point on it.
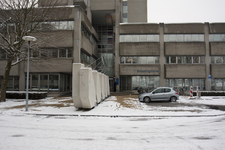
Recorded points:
(126, 116)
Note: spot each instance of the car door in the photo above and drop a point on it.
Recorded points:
(167, 94)
(157, 95)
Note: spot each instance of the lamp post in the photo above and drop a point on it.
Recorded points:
(28, 38)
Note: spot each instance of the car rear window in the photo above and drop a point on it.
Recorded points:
(167, 90)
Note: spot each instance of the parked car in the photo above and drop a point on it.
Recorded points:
(160, 94)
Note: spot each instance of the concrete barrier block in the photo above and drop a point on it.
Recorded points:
(87, 88)
(97, 86)
(76, 85)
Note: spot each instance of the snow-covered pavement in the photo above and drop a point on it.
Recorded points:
(149, 126)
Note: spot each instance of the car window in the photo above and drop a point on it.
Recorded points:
(167, 90)
(159, 91)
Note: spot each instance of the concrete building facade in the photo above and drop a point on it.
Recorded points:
(113, 37)
(175, 55)
(76, 31)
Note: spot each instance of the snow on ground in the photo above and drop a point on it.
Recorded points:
(22, 131)
(116, 105)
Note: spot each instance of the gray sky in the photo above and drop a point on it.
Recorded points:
(175, 11)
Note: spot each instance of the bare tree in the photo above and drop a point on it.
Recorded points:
(19, 18)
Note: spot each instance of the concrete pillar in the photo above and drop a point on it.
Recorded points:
(207, 57)
(162, 55)
(77, 36)
(87, 88)
(97, 86)
(76, 85)
(89, 15)
(117, 33)
(22, 76)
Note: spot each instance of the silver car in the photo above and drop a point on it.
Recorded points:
(159, 94)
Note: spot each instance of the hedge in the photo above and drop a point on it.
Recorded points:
(22, 95)
(210, 93)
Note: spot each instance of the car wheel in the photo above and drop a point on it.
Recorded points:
(173, 99)
(147, 99)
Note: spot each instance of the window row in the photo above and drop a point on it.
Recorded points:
(139, 38)
(185, 84)
(50, 82)
(217, 59)
(85, 31)
(183, 37)
(135, 82)
(216, 37)
(185, 60)
(218, 84)
(55, 25)
(84, 57)
(140, 60)
(13, 83)
(52, 53)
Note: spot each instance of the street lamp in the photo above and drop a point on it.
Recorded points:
(28, 38)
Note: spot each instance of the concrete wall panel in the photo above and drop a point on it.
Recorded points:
(218, 70)
(184, 48)
(137, 11)
(14, 70)
(140, 70)
(184, 28)
(55, 39)
(217, 28)
(102, 4)
(217, 48)
(139, 29)
(185, 71)
(139, 49)
(97, 86)
(50, 65)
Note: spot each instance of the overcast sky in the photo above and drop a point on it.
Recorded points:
(175, 11)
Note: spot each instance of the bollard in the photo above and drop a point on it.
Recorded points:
(191, 91)
(197, 92)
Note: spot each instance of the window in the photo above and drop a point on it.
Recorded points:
(167, 90)
(218, 60)
(183, 37)
(159, 91)
(57, 25)
(216, 37)
(139, 38)
(139, 60)
(53, 53)
(13, 83)
(185, 59)
(53, 82)
(125, 11)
